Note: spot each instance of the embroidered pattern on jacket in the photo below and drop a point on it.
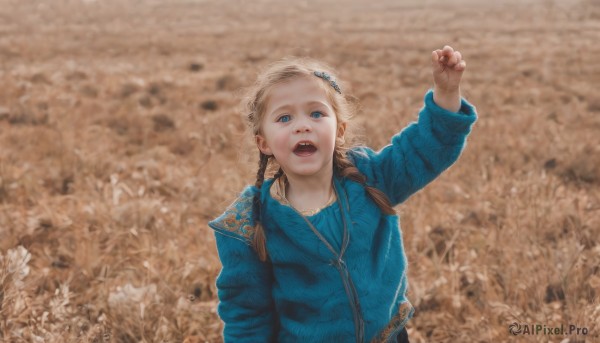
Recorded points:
(237, 219)
(397, 322)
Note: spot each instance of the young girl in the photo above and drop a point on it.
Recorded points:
(315, 254)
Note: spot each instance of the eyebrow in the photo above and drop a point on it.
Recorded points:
(310, 103)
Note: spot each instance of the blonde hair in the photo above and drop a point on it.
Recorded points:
(255, 104)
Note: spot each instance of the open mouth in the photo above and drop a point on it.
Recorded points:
(305, 149)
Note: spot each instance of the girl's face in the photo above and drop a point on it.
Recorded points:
(299, 128)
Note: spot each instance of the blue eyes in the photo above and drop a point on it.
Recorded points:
(286, 117)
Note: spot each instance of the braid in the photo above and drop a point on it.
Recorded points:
(347, 169)
(262, 167)
(278, 174)
(259, 240)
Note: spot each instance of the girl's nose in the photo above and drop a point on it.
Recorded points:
(302, 127)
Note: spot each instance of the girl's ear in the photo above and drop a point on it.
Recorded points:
(341, 130)
(262, 145)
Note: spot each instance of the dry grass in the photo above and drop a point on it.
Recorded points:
(120, 137)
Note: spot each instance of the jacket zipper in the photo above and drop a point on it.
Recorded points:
(342, 268)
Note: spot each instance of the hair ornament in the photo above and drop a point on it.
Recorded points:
(327, 78)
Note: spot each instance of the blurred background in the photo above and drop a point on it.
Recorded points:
(121, 135)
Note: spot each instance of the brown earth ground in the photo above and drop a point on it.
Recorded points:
(120, 137)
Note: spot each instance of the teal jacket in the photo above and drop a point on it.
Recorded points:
(336, 284)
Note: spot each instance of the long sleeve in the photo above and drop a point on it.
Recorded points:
(419, 153)
(244, 289)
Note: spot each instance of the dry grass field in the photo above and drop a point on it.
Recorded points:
(121, 136)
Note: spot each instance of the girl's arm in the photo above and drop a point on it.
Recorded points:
(423, 150)
(244, 289)
(419, 153)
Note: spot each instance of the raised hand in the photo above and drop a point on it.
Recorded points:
(448, 67)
